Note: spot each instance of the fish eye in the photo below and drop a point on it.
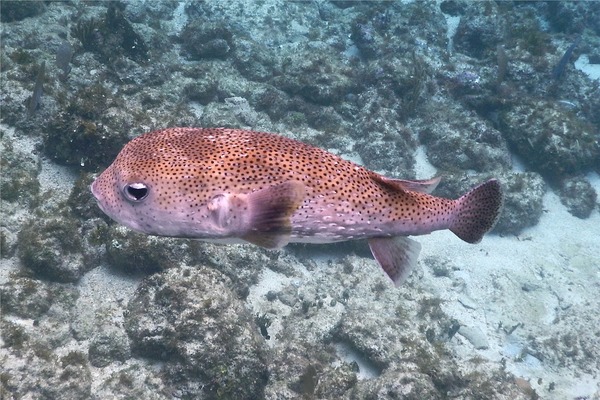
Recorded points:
(135, 191)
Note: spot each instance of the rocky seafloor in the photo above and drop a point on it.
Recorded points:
(465, 90)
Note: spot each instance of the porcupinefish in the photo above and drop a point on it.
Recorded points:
(231, 185)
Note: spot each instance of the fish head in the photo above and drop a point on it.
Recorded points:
(139, 189)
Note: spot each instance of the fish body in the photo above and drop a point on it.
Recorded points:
(231, 185)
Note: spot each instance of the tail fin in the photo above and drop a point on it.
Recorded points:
(477, 211)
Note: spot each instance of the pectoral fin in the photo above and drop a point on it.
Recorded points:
(269, 211)
(397, 256)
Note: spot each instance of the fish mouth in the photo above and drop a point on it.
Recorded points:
(97, 196)
(93, 190)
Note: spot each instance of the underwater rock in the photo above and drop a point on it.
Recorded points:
(316, 76)
(132, 381)
(296, 371)
(189, 318)
(26, 297)
(335, 382)
(275, 103)
(202, 39)
(242, 264)
(573, 18)
(64, 378)
(366, 38)
(523, 201)
(202, 90)
(86, 134)
(254, 60)
(108, 345)
(219, 115)
(462, 140)
(111, 37)
(52, 248)
(8, 242)
(382, 151)
(479, 31)
(405, 384)
(551, 139)
(19, 10)
(578, 195)
(81, 203)
(132, 253)
(18, 180)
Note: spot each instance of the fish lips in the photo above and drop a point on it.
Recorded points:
(98, 196)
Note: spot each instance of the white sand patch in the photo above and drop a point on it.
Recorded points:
(591, 70)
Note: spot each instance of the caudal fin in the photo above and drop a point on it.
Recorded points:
(477, 211)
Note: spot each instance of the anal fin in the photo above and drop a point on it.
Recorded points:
(396, 255)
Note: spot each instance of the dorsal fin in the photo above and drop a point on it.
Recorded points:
(423, 186)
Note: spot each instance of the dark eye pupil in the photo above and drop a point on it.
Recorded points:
(137, 191)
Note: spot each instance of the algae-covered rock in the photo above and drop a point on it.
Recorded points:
(189, 318)
(578, 195)
(19, 10)
(26, 297)
(18, 180)
(551, 139)
(85, 134)
(406, 385)
(461, 140)
(64, 378)
(523, 201)
(316, 77)
(107, 346)
(52, 248)
(132, 252)
(202, 39)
